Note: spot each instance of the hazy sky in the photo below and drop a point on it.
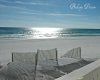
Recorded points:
(50, 13)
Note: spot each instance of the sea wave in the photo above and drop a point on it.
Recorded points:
(42, 33)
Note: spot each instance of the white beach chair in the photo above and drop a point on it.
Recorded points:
(25, 57)
(48, 60)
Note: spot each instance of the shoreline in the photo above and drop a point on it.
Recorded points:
(47, 38)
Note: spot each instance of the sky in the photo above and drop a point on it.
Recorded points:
(50, 13)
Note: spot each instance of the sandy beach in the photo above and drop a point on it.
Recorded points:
(90, 46)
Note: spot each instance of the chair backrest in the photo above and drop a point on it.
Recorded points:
(48, 59)
(73, 53)
(29, 57)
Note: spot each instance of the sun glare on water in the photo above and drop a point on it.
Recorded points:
(46, 32)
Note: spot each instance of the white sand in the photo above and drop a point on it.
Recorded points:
(90, 46)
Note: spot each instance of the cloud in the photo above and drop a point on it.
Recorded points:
(52, 14)
(23, 5)
(18, 8)
(64, 14)
(27, 3)
(1, 5)
(28, 11)
(31, 3)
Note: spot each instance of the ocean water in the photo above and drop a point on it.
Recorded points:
(46, 33)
